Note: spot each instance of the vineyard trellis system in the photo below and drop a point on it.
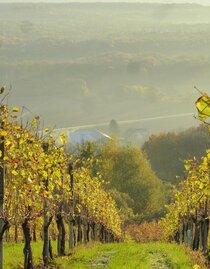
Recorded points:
(187, 219)
(40, 189)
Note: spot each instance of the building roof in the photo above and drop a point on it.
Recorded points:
(81, 136)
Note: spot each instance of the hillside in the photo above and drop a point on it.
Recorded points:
(96, 62)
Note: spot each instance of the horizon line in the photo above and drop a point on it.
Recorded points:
(121, 122)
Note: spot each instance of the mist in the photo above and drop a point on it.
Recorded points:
(78, 64)
(201, 2)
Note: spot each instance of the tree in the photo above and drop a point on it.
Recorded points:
(114, 128)
(167, 151)
(129, 172)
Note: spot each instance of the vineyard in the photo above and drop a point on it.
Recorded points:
(41, 186)
(51, 197)
(104, 146)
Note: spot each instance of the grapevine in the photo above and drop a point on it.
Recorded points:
(187, 219)
(38, 184)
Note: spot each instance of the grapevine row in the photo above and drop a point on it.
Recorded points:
(187, 219)
(42, 184)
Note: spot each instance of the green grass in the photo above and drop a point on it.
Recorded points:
(13, 254)
(111, 256)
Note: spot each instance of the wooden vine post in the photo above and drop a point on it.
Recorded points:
(61, 228)
(2, 178)
(71, 218)
(47, 220)
(26, 226)
(205, 228)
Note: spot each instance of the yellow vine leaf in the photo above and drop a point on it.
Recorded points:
(3, 133)
(15, 173)
(13, 116)
(63, 139)
(44, 174)
(203, 107)
(15, 109)
(34, 122)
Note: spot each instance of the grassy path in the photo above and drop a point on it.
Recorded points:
(109, 256)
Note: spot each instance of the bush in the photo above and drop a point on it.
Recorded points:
(145, 232)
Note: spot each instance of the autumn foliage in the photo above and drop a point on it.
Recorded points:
(38, 184)
(145, 232)
(187, 218)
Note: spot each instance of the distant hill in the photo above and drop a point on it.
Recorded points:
(78, 64)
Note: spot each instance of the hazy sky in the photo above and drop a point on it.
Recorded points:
(204, 2)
